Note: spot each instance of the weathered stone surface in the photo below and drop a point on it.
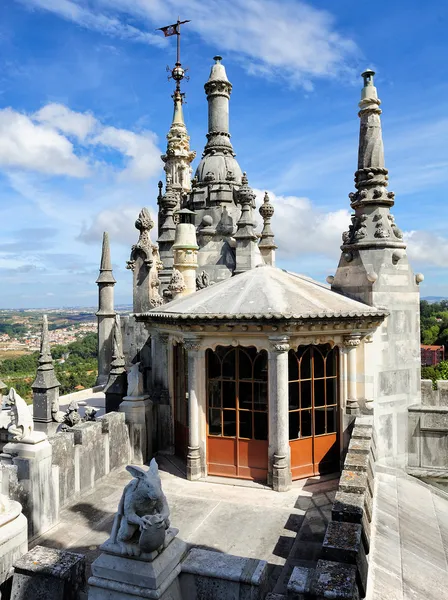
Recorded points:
(348, 507)
(299, 584)
(63, 445)
(119, 445)
(92, 453)
(48, 574)
(353, 482)
(359, 446)
(356, 462)
(335, 580)
(13, 537)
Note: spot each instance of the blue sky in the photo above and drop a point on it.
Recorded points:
(85, 107)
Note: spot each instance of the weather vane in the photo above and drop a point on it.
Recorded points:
(178, 73)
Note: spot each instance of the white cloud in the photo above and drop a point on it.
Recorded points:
(289, 39)
(426, 248)
(141, 150)
(25, 145)
(112, 26)
(118, 222)
(302, 229)
(65, 120)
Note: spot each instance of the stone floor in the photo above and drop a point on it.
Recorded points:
(409, 552)
(285, 529)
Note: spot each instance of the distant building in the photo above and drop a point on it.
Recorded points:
(432, 355)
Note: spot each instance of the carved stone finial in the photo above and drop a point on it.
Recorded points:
(105, 275)
(177, 283)
(118, 363)
(266, 210)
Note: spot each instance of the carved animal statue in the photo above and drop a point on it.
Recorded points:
(21, 425)
(143, 513)
(71, 416)
(89, 413)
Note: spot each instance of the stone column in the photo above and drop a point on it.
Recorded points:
(351, 343)
(194, 470)
(279, 449)
(137, 407)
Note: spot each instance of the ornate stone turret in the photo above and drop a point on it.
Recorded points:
(185, 250)
(145, 263)
(45, 388)
(106, 312)
(178, 157)
(267, 244)
(374, 268)
(116, 385)
(214, 188)
(167, 234)
(246, 250)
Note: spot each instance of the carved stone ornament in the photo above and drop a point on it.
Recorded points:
(280, 344)
(352, 341)
(142, 520)
(202, 280)
(192, 344)
(177, 283)
(396, 230)
(71, 416)
(21, 425)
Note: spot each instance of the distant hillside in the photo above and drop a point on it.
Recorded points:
(434, 298)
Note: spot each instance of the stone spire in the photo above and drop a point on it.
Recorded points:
(106, 313)
(267, 244)
(178, 156)
(45, 388)
(374, 269)
(115, 389)
(145, 264)
(167, 234)
(372, 224)
(246, 249)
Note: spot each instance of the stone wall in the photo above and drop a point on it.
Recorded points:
(428, 435)
(342, 569)
(88, 452)
(77, 460)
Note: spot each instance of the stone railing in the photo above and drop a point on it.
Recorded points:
(342, 569)
(428, 435)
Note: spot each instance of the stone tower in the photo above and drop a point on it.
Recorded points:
(374, 268)
(106, 312)
(214, 188)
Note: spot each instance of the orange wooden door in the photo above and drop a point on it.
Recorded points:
(237, 413)
(313, 410)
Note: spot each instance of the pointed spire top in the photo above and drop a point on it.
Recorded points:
(45, 377)
(105, 275)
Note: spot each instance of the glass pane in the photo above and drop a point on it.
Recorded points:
(319, 421)
(332, 391)
(245, 424)
(319, 365)
(245, 395)
(294, 422)
(229, 365)
(305, 391)
(260, 396)
(319, 392)
(293, 366)
(331, 420)
(229, 423)
(228, 394)
(245, 365)
(260, 426)
(305, 423)
(331, 366)
(214, 394)
(214, 365)
(214, 422)
(305, 364)
(261, 366)
(294, 395)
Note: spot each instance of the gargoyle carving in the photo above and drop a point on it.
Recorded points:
(143, 514)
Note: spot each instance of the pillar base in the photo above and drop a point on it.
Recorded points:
(194, 470)
(281, 474)
(352, 406)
